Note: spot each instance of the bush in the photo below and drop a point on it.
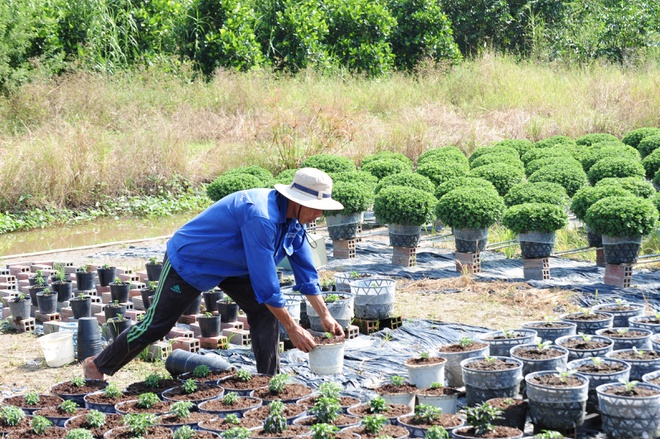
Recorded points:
(228, 184)
(534, 217)
(520, 145)
(387, 155)
(441, 171)
(355, 197)
(541, 153)
(617, 167)
(571, 179)
(493, 149)
(355, 177)
(382, 168)
(622, 216)
(286, 176)
(656, 201)
(502, 175)
(607, 149)
(445, 153)
(649, 144)
(264, 175)
(404, 205)
(488, 159)
(651, 163)
(470, 208)
(553, 141)
(537, 164)
(329, 163)
(588, 195)
(541, 192)
(461, 182)
(636, 186)
(408, 179)
(593, 138)
(633, 137)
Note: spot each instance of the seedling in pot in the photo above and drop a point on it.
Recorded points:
(68, 406)
(397, 380)
(374, 423)
(330, 298)
(236, 433)
(586, 337)
(230, 398)
(201, 371)
(243, 375)
(489, 359)
(436, 385)
(426, 414)
(323, 431)
(11, 415)
(508, 333)
(465, 342)
(153, 380)
(549, 434)
(112, 391)
(330, 390)
(139, 423)
(436, 432)
(40, 424)
(622, 331)
(598, 362)
(326, 410)
(79, 433)
(232, 419)
(638, 352)
(629, 385)
(275, 422)
(377, 405)
(95, 419)
(31, 398)
(481, 418)
(278, 383)
(542, 345)
(78, 381)
(147, 400)
(184, 432)
(564, 373)
(424, 355)
(181, 409)
(189, 386)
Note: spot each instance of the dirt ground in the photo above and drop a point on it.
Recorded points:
(463, 299)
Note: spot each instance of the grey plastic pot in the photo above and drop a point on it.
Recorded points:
(638, 366)
(20, 309)
(453, 370)
(646, 322)
(642, 341)
(342, 226)
(596, 379)
(404, 235)
(374, 298)
(629, 417)
(536, 365)
(576, 354)
(620, 317)
(589, 326)
(535, 245)
(551, 330)
(342, 310)
(482, 385)
(556, 408)
(500, 346)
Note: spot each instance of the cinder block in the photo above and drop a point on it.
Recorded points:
(143, 276)
(106, 297)
(129, 277)
(100, 316)
(180, 332)
(100, 290)
(600, 257)
(159, 350)
(133, 314)
(404, 256)
(47, 317)
(219, 342)
(468, 263)
(239, 337)
(352, 332)
(18, 268)
(243, 319)
(344, 248)
(9, 286)
(66, 313)
(6, 312)
(97, 307)
(536, 269)
(618, 275)
(232, 325)
(188, 319)
(194, 327)
(25, 325)
(8, 278)
(185, 343)
(137, 302)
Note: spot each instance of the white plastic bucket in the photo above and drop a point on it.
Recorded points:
(327, 359)
(58, 348)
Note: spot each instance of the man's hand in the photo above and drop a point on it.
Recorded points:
(330, 325)
(301, 338)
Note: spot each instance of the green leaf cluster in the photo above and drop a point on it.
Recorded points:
(408, 179)
(355, 197)
(537, 164)
(502, 175)
(228, 184)
(488, 159)
(520, 145)
(470, 208)
(497, 150)
(607, 149)
(384, 167)
(460, 182)
(622, 216)
(615, 167)
(570, 178)
(443, 154)
(651, 164)
(553, 141)
(285, 177)
(535, 217)
(593, 138)
(387, 155)
(262, 174)
(588, 195)
(636, 186)
(540, 192)
(329, 163)
(635, 136)
(649, 144)
(404, 206)
(440, 171)
(355, 177)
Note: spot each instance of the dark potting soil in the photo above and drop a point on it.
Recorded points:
(290, 391)
(498, 432)
(583, 345)
(617, 308)
(639, 355)
(289, 411)
(233, 383)
(132, 407)
(44, 401)
(631, 333)
(214, 375)
(101, 398)
(50, 433)
(548, 325)
(219, 424)
(111, 421)
(391, 410)
(554, 380)
(141, 387)
(653, 320)
(342, 435)
(344, 401)
(585, 316)
(655, 381)
(603, 369)
(513, 335)
(387, 430)
(391, 389)
(203, 392)
(68, 388)
(291, 431)
(329, 340)
(193, 418)
(203, 435)
(429, 360)
(243, 402)
(640, 392)
(23, 424)
(456, 347)
(158, 432)
(495, 364)
(438, 391)
(340, 421)
(446, 420)
(538, 354)
(56, 412)
(505, 403)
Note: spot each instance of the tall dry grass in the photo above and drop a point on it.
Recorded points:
(64, 140)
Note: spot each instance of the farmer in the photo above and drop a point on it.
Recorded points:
(236, 244)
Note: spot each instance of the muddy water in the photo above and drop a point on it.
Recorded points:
(101, 231)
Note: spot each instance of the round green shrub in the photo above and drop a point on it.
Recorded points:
(329, 163)
(387, 155)
(469, 207)
(408, 179)
(262, 174)
(622, 216)
(383, 168)
(492, 149)
(570, 179)
(656, 179)
(588, 195)
(541, 192)
(656, 201)
(285, 177)
(649, 144)
(520, 145)
(460, 182)
(440, 171)
(617, 167)
(639, 187)
(488, 159)
(404, 205)
(535, 217)
(502, 175)
(443, 153)
(541, 153)
(553, 141)
(593, 138)
(633, 137)
(606, 149)
(229, 183)
(537, 164)
(651, 163)
(356, 197)
(355, 176)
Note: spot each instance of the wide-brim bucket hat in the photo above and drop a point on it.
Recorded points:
(311, 188)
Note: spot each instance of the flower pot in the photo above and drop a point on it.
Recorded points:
(342, 310)
(446, 402)
(47, 303)
(112, 309)
(89, 341)
(598, 375)
(81, 307)
(20, 309)
(514, 412)
(538, 364)
(464, 433)
(228, 311)
(327, 359)
(499, 344)
(594, 239)
(585, 349)
(209, 326)
(652, 377)
(424, 373)
(551, 330)
(641, 362)
(193, 308)
(211, 298)
(417, 429)
(650, 322)
(453, 370)
(77, 395)
(292, 302)
(153, 271)
(655, 342)
(620, 313)
(120, 291)
(556, 408)
(404, 236)
(180, 361)
(343, 280)
(84, 281)
(217, 407)
(634, 337)
(482, 385)
(374, 298)
(147, 294)
(116, 327)
(106, 275)
(57, 348)
(589, 326)
(470, 240)
(342, 226)
(629, 417)
(621, 250)
(535, 245)
(64, 290)
(407, 399)
(34, 290)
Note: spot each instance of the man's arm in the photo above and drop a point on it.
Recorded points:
(300, 338)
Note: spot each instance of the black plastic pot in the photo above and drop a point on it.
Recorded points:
(120, 291)
(84, 281)
(81, 307)
(209, 326)
(147, 294)
(63, 289)
(180, 361)
(153, 271)
(47, 302)
(33, 290)
(116, 327)
(106, 275)
(624, 253)
(20, 309)
(111, 310)
(89, 339)
(536, 250)
(211, 299)
(228, 311)
(193, 308)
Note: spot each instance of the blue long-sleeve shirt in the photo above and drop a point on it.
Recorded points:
(245, 233)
